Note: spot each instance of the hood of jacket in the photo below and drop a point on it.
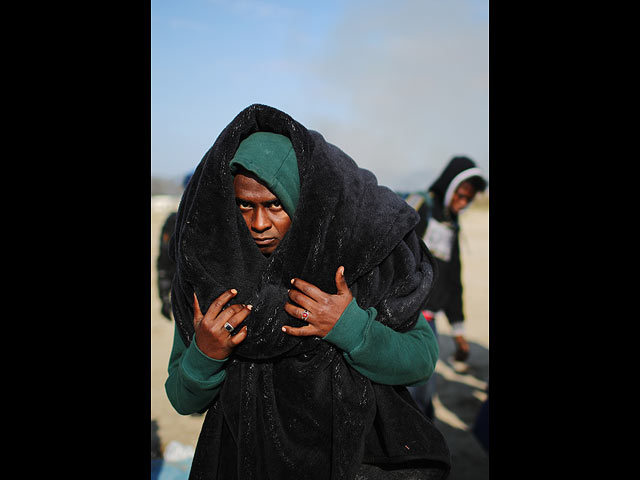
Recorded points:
(457, 171)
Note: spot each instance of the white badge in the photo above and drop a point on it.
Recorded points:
(439, 239)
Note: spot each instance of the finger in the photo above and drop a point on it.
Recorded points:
(306, 331)
(308, 289)
(239, 337)
(197, 314)
(303, 300)
(229, 312)
(341, 283)
(297, 312)
(218, 304)
(218, 322)
(234, 315)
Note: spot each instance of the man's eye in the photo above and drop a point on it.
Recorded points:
(243, 205)
(275, 204)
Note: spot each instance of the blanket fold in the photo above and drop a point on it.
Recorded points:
(291, 407)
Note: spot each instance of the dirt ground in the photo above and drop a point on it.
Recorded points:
(459, 396)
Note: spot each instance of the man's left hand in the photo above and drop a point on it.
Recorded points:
(462, 348)
(322, 310)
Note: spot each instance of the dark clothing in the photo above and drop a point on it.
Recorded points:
(440, 230)
(481, 426)
(421, 203)
(447, 292)
(291, 407)
(165, 267)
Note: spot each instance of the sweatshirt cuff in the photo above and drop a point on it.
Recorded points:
(457, 329)
(350, 329)
(198, 365)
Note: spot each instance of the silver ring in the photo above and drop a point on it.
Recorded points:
(305, 314)
(228, 327)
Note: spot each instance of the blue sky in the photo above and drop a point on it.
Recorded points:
(399, 85)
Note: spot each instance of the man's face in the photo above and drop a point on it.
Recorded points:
(462, 197)
(265, 217)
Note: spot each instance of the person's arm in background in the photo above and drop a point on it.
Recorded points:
(165, 266)
(454, 308)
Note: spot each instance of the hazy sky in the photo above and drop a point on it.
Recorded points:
(399, 85)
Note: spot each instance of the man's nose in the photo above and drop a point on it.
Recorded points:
(260, 221)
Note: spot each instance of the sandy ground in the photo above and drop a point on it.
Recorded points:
(459, 396)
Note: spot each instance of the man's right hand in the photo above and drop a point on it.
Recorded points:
(211, 337)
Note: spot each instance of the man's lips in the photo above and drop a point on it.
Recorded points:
(264, 242)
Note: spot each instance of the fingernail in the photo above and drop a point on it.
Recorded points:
(292, 280)
(234, 291)
(284, 329)
(250, 307)
(342, 271)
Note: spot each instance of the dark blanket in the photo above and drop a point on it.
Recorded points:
(291, 407)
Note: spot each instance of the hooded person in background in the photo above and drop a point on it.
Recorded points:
(450, 194)
(165, 267)
(297, 300)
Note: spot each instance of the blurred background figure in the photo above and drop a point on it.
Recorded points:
(439, 207)
(164, 264)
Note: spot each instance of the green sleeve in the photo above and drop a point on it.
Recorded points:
(194, 378)
(382, 354)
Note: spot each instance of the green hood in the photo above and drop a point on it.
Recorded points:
(270, 156)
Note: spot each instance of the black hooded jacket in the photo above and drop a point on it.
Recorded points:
(447, 292)
(291, 407)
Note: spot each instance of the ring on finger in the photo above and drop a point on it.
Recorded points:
(305, 314)
(228, 327)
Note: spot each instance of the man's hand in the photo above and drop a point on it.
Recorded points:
(211, 336)
(322, 310)
(462, 348)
